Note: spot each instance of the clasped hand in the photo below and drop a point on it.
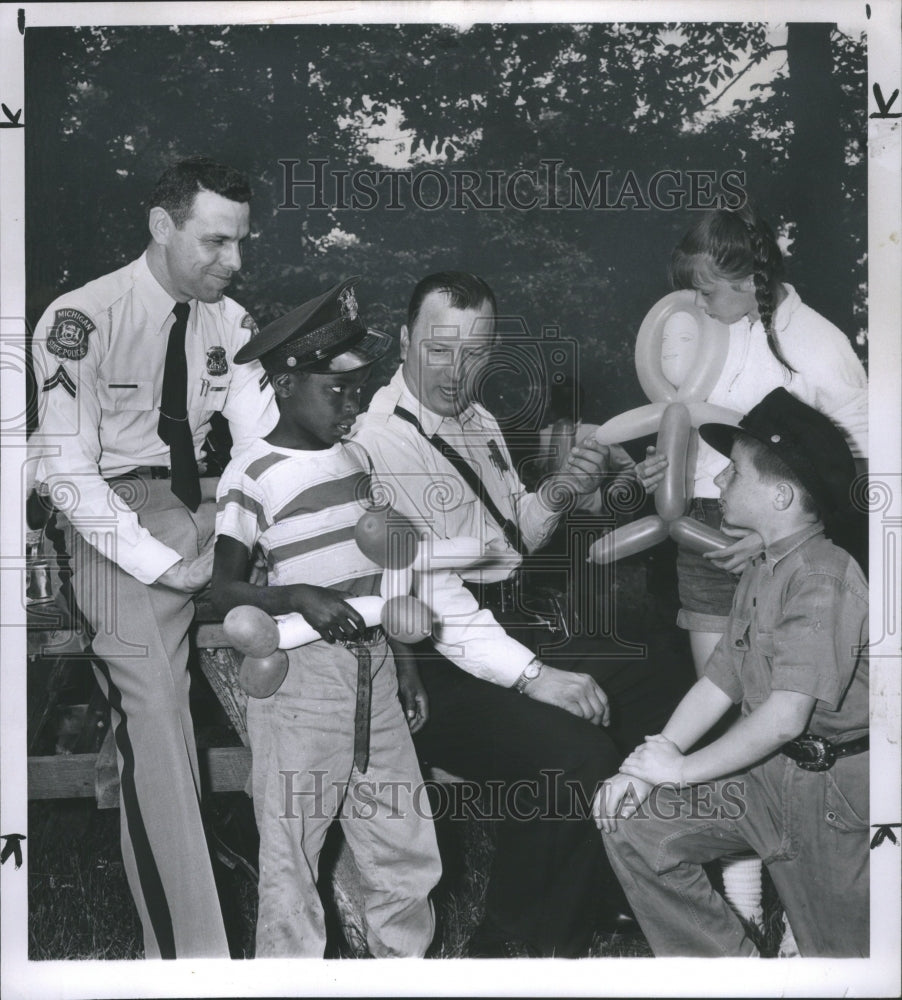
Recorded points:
(658, 761)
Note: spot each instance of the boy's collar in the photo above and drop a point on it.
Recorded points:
(781, 548)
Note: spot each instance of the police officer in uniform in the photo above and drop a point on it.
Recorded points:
(131, 368)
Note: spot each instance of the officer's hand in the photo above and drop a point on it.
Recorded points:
(189, 575)
(650, 471)
(575, 693)
(619, 461)
(327, 611)
(581, 472)
(734, 557)
(585, 465)
(618, 798)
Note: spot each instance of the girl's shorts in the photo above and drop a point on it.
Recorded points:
(706, 592)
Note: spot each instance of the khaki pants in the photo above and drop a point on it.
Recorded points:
(304, 776)
(141, 643)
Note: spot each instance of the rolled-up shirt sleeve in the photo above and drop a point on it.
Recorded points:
(722, 670)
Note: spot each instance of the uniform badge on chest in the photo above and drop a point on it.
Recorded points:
(216, 361)
(496, 457)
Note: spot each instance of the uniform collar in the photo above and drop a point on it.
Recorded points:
(154, 297)
(781, 548)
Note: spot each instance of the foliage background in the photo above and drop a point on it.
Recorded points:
(109, 108)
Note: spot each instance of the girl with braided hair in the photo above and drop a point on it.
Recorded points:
(732, 261)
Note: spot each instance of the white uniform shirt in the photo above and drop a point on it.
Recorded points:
(417, 481)
(828, 377)
(99, 355)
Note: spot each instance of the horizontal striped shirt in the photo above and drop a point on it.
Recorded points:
(300, 508)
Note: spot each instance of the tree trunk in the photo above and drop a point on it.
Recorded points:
(822, 258)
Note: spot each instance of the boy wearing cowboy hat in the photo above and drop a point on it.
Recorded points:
(789, 780)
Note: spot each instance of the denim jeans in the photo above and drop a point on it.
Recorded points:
(809, 828)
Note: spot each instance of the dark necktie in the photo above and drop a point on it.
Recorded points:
(173, 427)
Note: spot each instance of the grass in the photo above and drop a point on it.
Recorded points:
(79, 904)
(80, 907)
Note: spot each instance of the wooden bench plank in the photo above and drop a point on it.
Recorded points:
(72, 776)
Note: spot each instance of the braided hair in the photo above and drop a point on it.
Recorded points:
(733, 245)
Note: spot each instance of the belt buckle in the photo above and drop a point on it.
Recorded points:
(820, 755)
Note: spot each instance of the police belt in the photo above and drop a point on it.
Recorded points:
(504, 595)
(817, 753)
(160, 472)
(514, 604)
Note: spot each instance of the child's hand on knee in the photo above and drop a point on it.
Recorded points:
(658, 761)
(618, 798)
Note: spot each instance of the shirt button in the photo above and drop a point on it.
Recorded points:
(831, 816)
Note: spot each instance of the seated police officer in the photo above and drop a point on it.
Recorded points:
(132, 367)
(496, 711)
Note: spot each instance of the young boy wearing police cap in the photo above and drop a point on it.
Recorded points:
(297, 495)
(796, 763)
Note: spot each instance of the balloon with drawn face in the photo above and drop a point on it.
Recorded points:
(680, 353)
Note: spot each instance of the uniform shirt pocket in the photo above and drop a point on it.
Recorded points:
(125, 394)
(214, 392)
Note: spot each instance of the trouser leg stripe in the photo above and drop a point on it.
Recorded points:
(148, 873)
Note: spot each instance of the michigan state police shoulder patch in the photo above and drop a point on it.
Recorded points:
(68, 337)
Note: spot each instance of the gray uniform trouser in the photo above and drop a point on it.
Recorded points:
(141, 646)
(810, 829)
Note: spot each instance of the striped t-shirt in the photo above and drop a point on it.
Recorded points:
(300, 508)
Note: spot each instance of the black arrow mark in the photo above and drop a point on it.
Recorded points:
(884, 832)
(885, 105)
(13, 118)
(13, 846)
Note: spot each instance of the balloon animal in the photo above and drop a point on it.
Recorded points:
(680, 352)
(390, 540)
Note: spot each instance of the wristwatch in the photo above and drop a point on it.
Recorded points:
(530, 673)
